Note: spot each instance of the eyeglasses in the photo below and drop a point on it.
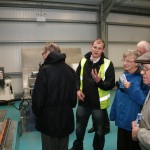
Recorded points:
(127, 61)
(44, 52)
(143, 68)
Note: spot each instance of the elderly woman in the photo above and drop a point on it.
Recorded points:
(128, 101)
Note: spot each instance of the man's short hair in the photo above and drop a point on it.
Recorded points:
(99, 41)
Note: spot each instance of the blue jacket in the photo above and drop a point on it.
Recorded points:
(128, 102)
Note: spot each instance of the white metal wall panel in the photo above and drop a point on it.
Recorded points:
(134, 19)
(46, 31)
(128, 33)
(116, 51)
(123, 37)
(14, 31)
(115, 54)
(10, 58)
(49, 13)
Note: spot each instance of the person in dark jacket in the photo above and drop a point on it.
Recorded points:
(96, 77)
(53, 98)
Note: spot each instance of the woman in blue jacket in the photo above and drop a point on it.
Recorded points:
(128, 101)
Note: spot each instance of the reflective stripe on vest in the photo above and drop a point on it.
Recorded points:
(81, 73)
(104, 96)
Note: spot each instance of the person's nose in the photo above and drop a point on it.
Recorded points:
(142, 72)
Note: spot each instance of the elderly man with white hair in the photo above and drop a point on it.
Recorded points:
(143, 47)
(142, 132)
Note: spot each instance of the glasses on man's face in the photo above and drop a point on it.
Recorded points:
(44, 53)
(144, 69)
(127, 61)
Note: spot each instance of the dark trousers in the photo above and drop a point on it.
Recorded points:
(106, 122)
(54, 143)
(125, 142)
(82, 117)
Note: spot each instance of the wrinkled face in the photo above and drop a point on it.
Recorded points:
(129, 64)
(97, 49)
(146, 73)
(141, 50)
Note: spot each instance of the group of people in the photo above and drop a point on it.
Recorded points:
(58, 88)
(128, 101)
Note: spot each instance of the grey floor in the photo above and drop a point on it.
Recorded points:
(32, 140)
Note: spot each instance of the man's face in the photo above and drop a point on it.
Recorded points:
(97, 49)
(146, 73)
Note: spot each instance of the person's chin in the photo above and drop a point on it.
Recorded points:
(96, 56)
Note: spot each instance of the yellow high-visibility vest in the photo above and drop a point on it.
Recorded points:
(104, 96)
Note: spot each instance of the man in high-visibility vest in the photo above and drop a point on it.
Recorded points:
(96, 77)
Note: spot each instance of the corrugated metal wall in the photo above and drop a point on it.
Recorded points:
(69, 28)
(19, 29)
(124, 31)
(26, 31)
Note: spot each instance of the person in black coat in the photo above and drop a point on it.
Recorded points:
(53, 99)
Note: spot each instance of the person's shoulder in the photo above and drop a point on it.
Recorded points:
(69, 67)
(108, 60)
(87, 55)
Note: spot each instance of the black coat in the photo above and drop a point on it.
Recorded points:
(54, 96)
(90, 87)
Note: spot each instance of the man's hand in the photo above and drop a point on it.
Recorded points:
(135, 130)
(95, 75)
(80, 95)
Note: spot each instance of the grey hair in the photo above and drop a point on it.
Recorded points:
(133, 53)
(50, 46)
(144, 44)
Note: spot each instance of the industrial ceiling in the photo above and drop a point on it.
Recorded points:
(136, 7)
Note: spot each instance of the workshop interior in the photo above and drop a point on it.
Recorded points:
(26, 26)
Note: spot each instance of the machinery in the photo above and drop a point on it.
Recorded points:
(6, 91)
(27, 121)
(31, 81)
(32, 78)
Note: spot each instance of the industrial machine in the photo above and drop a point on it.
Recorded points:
(32, 78)
(27, 121)
(6, 91)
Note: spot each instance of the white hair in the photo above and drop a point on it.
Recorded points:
(144, 44)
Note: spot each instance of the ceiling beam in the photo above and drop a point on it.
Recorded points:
(48, 5)
(107, 7)
(131, 10)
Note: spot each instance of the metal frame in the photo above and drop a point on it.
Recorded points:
(47, 20)
(20, 42)
(48, 5)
